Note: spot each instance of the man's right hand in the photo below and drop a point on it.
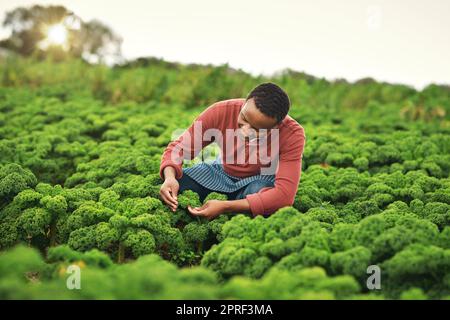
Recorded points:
(169, 189)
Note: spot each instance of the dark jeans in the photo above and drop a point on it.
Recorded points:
(187, 183)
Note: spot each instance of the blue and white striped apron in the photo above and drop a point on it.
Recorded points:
(213, 177)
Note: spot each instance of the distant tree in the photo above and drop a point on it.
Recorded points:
(33, 30)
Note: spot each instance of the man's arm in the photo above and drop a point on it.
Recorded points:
(287, 178)
(268, 200)
(187, 146)
(241, 205)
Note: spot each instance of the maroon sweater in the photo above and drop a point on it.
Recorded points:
(223, 115)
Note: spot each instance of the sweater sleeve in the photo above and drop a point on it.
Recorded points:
(190, 143)
(287, 178)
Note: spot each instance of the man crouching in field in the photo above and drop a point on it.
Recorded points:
(261, 156)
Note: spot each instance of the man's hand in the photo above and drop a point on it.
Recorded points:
(169, 189)
(169, 192)
(210, 210)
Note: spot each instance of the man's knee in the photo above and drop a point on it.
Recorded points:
(256, 186)
(187, 183)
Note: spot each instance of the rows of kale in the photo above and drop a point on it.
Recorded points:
(107, 158)
(380, 187)
(60, 140)
(150, 277)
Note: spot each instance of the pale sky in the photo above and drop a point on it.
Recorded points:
(401, 41)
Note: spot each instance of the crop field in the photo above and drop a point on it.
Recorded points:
(80, 149)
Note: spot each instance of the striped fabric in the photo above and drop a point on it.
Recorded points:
(213, 177)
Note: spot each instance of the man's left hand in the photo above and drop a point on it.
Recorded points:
(210, 210)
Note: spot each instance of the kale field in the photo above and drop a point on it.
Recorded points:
(80, 149)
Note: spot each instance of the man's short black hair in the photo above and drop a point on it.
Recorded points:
(271, 100)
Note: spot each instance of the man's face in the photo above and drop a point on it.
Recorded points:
(251, 120)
